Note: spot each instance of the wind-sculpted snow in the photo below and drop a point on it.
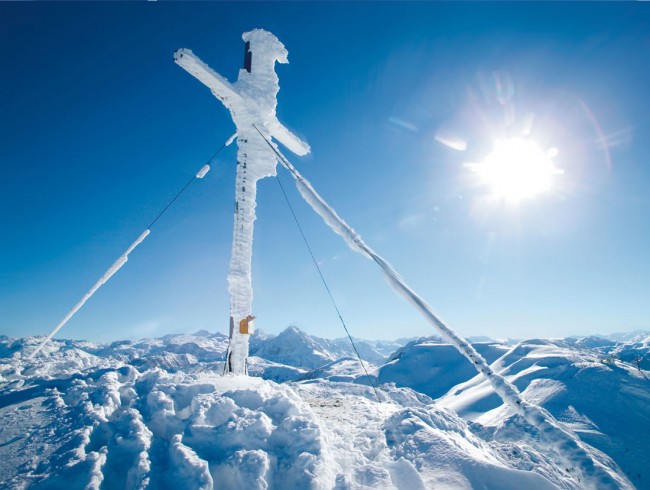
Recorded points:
(119, 428)
(274, 371)
(409, 443)
(346, 369)
(444, 450)
(440, 366)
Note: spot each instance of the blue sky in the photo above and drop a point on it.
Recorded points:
(99, 128)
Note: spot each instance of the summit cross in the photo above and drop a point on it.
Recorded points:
(251, 101)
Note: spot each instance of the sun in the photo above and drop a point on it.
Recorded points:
(517, 169)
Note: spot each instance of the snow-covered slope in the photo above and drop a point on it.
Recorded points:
(627, 337)
(631, 347)
(606, 402)
(635, 352)
(431, 367)
(346, 369)
(296, 348)
(407, 444)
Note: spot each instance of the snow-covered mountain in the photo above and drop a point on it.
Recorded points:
(157, 413)
(631, 347)
(606, 402)
(296, 348)
(432, 367)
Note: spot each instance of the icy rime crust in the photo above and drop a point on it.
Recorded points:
(568, 447)
(252, 103)
(102, 280)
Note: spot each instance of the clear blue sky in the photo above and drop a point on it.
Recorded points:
(99, 128)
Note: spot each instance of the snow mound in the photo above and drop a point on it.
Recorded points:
(123, 429)
(441, 448)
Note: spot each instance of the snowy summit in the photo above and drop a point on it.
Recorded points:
(153, 414)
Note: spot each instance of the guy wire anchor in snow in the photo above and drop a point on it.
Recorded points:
(251, 101)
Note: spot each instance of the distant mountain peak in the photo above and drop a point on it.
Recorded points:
(292, 329)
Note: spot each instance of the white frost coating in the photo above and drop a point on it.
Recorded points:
(107, 275)
(568, 447)
(251, 101)
(204, 170)
(231, 139)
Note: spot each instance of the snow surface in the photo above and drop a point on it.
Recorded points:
(156, 413)
(440, 366)
(632, 347)
(607, 403)
(296, 348)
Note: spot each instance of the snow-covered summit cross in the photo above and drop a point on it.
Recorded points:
(252, 102)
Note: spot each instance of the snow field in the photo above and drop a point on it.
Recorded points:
(119, 428)
(409, 443)
(84, 418)
(605, 404)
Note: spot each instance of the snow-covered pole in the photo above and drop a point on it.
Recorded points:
(251, 100)
(567, 446)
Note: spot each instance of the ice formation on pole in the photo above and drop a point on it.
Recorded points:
(117, 265)
(251, 101)
(201, 173)
(564, 444)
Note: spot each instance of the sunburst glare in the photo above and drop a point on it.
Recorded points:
(517, 169)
